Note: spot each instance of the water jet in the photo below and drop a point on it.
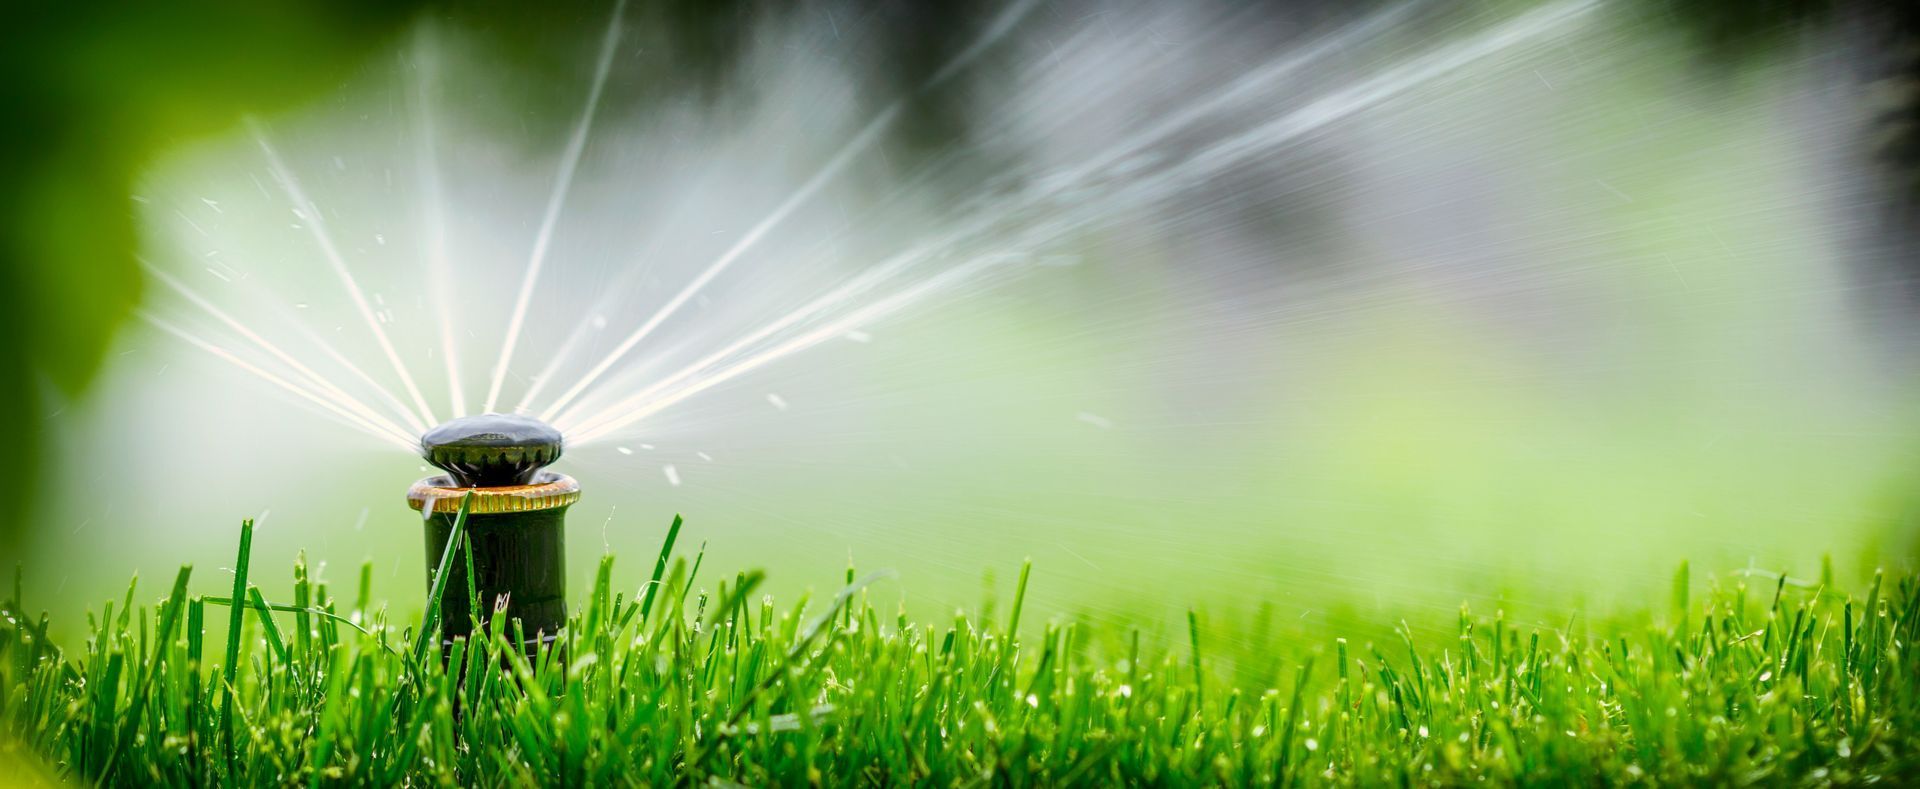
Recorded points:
(516, 521)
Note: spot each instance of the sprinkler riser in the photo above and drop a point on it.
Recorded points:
(518, 556)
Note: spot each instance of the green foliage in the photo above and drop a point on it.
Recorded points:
(1787, 683)
(93, 91)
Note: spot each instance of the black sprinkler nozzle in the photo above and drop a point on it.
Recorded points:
(492, 450)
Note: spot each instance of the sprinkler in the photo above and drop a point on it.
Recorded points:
(516, 523)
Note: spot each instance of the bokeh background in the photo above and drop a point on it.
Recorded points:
(1525, 335)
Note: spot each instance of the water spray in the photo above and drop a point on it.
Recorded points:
(516, 521)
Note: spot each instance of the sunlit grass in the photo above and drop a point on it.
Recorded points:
(1784, 682)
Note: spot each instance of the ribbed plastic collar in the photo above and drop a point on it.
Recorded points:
(551, 491)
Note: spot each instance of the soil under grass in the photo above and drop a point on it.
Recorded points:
(1782, 683)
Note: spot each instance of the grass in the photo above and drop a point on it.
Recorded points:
(1783, 683)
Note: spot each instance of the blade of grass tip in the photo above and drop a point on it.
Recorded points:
(687, 588)
(303, 598)
(126, 606)
(1346, 689)
(169, 618)
(1019, 598)
(1682, 586)
(324, 630)
(1193, 639)
(846, 614)
(599, 604)
(659, 568)
(431, 618)
(363, 597)
(231, 671)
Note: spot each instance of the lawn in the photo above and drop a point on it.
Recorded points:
(1738, 681)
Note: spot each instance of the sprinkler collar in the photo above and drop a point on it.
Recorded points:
(440, 495)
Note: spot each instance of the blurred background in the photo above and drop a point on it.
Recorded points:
(1341, 312)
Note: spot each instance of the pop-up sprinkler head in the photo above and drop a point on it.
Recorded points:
(492, 450)
(516, 521)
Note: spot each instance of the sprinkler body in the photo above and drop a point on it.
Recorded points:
(516, 523)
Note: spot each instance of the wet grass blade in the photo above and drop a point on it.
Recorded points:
(231, 668)
(430, 620)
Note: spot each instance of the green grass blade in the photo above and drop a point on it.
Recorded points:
(234, 633)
